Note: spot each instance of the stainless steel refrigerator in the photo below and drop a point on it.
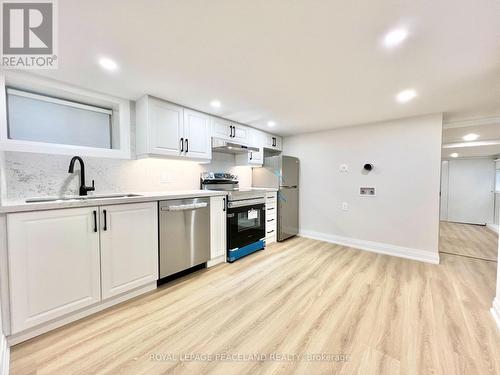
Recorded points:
(282, 173)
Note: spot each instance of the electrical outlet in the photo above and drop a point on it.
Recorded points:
(367, 191)
(343, 168)
(345, 207)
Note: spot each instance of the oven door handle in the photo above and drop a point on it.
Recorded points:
(247, 202)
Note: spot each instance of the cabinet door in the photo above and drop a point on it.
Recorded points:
(256, 157)
(197, 135)
(240, 134)
(222, 128)
(277, 143)
(53, 264)
(217, 227)
(166, 125)
(129, 246)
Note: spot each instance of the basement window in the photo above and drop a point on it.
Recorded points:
(40, 118)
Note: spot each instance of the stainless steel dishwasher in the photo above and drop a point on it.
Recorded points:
(184, 234)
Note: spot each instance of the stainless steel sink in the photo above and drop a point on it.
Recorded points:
(80, 198)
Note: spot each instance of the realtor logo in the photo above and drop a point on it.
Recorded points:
(29, 34)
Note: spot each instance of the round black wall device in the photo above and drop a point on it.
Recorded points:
(368, 167)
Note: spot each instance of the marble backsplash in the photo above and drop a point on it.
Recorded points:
(29, 175)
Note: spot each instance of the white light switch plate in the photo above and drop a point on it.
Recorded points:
(343, 168)
(345, 206)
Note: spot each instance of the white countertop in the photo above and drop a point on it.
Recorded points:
(21, 206)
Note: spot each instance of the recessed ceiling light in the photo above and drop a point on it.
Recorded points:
(454, 155)
(406, 95)
(108, 64)
(215, 103)
(271, 124)
(395, 37)
(470, 137)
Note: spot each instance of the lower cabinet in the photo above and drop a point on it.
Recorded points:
(54, 265)
(61, 261)
(129, 247)
(217, 230)
(271, 217)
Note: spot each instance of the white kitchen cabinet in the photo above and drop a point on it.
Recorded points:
(271, 141)
(217, 230)
(271, 217)
(197, 135)
(166, 129)
(53, 264)
(230, 131)
(129, 246)
(252, 158)
(159, 127)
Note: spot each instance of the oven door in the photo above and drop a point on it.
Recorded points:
(245, 223)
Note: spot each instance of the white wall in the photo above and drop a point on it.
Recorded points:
(467, 190)
(443, 212)
(4, 351)
(405, 212)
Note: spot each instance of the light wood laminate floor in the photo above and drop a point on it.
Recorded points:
(390, 315)
(469, 240)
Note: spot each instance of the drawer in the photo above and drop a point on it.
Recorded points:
(271, 196)
(270, 225)
(270, 211)
(270, 222)
(270, 232)
(270, 239)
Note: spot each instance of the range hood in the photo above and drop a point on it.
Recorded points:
(228, 147)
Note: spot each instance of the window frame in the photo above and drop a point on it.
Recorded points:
(120, 124)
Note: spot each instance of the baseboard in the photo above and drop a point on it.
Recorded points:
(4, 355)
(493, 227)
(495, 311)
(376, 247)
(74, 316)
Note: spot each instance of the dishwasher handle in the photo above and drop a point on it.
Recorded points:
(184, 207)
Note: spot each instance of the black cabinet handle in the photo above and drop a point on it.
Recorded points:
(251, 155)
(224, 204)
(187, 144)
(271, 231)
(270, 220)
(95, 220)
(105, 220)
(182, 144)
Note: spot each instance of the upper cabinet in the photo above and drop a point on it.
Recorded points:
(165, 129)
(271, 141)
(230, 131)
(197, 135)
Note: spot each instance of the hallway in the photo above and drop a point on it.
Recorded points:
(468, 240)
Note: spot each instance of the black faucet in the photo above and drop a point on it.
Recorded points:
(83, 188)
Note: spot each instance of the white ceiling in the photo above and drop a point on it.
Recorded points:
(306, 65)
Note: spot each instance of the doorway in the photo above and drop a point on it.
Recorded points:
(470, 190)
